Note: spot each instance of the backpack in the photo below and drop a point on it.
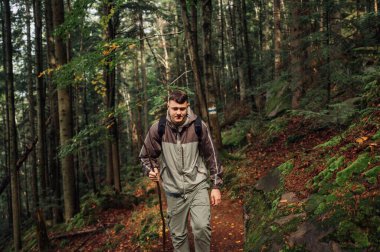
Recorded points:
(197, 127)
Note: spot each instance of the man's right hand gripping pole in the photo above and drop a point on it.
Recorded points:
(154, 175)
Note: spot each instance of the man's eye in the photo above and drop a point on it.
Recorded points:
(182, 109)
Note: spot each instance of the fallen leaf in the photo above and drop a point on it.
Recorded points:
(361, 140)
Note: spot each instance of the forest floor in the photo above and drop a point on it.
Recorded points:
(227, 232)
(227, 218)
(125, 229)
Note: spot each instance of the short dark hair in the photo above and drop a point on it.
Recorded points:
(178, 96)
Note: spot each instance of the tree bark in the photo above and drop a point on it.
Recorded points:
(190, 31)
(41, 97)
(65, 119)
(143, 71)
(208, 65)
(110, 100)
(297, 54)
(277, 37)
(53, 130)
(32, 113)
(13, 152)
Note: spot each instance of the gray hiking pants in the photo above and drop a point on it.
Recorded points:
(197, 203)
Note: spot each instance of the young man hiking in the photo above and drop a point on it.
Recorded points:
(185, 146)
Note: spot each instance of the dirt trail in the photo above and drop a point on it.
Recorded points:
(227, 226)
(226, 222)
(227, 229)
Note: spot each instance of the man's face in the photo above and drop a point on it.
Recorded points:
(177, 111)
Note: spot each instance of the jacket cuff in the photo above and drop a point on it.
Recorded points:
(215, 187)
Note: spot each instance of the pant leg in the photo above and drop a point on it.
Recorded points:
(200, 220)
(178, 211)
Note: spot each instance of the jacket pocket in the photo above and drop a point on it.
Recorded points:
(201, 168)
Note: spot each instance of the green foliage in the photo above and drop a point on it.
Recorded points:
(92, 204)
(92, 135)
(278, 97)
(149, 227)
(331, 143)
(376, 136)
(118, 227)
(371, 79)
(236, 136)
(372, 174)
(358, 166)
(350, 229)
(287, 167)
(322, 180)
(277, 125)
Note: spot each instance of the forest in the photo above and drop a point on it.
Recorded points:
(290, 91)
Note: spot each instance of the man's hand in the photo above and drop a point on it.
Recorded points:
(154, 175)
(216, 197)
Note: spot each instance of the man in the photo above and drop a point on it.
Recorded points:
(183, 172)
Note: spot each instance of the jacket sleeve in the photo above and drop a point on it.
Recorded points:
(210, 155)
(150, 150)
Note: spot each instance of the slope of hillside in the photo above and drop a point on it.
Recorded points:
(307, 188)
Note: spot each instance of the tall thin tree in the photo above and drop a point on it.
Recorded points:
(65, 118)
(208, 65)
(190, 34)
(32, 113)
(13, 152)
(41, 94)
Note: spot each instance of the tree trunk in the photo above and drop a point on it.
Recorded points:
(248, 56)
(110, 99)
(234, 55)
(54, 126)
(89, 151)
(190, 31)
(32, 113)
(42, 235)
(296, 54)
(277, 37)
(13, 153)
(143, 71)
(41, 150)
(222, 83)
(65, 119)
(208, 65)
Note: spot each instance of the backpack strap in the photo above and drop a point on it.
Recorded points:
(198, 127)
(161, 127)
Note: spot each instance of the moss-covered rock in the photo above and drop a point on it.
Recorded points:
(357, 167)
(331, 143)
(372, 174)
(322, 180)
(286, 168)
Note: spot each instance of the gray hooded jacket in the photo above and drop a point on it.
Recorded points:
(184, 156)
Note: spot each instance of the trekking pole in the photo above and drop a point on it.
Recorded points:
(159, 198)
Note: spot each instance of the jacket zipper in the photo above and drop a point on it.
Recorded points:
(183, 164)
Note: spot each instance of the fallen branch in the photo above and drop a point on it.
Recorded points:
(82, 232)
(5, 181)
